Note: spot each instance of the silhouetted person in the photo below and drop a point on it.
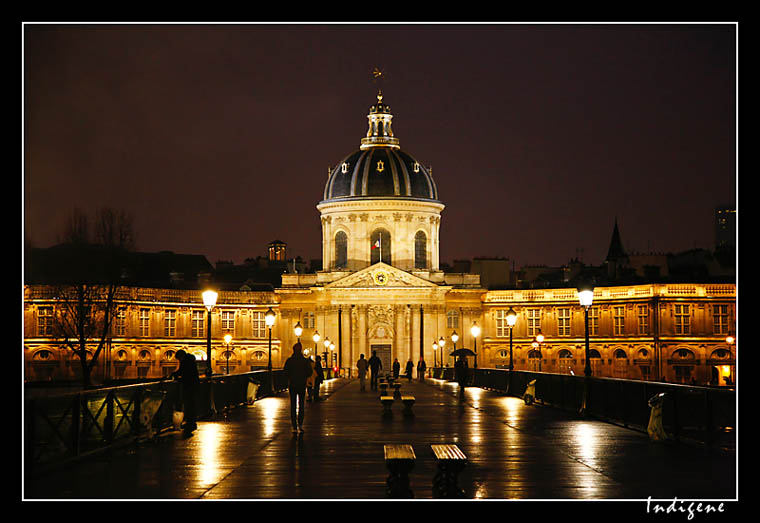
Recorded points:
(374, 367)
(461, 373)
(396, 368)
(409, 369)
(320, 377)
(298, 369)
(421, 368)
(362, 365)
(187, 374)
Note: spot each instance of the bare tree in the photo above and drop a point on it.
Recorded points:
(94, 257)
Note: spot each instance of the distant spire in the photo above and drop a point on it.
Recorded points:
(616, 250)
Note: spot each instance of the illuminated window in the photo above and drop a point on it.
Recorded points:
(45, 321)
(341, 250)
(452, 319)
(643, 316)
(144, 319)
(618, 321)
(228, 321)
(120, 322)
(170, 323)
(533, 320)
(502, 328)
(682, 318)
(420, 250)
(259, 325)
(198, 324)
(720, 319)
(309, 320)
(593, 321)
(563, 322)
(344, 168)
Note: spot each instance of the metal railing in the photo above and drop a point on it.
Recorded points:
(702, 414)
(72, 425)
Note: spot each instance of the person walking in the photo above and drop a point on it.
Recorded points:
(421, 368)
(396, 368)
(409, 369)
(298, 369)
(362, 365)
(310, 380)
(461, 373)
(187, 374)
(319, 378)
(374, 367)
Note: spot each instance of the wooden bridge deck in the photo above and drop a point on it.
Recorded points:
(514, 451)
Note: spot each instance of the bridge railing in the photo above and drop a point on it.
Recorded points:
(68, 426)
(704, 414)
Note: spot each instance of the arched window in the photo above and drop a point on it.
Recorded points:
(341, 250)
(380, 246)
(565, 361)
(420, 250)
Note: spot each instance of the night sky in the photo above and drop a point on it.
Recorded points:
(217, 138)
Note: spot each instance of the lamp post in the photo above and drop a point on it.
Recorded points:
(209, 301)
(537, 341)
(316, 339)
(511, 320)
(441, 343)
(269, 317)
(298, 330)
(586, 297)
(435, 353)
(227, 340)
(475, 330)
(324, 354)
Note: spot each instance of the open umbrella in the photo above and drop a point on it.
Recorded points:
(462, 351)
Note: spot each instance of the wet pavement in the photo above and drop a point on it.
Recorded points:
(514, 451)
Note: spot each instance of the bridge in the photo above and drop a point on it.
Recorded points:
(512, 450)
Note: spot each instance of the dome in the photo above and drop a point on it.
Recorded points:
(380, 169)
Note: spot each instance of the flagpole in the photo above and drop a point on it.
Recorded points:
(380, 239)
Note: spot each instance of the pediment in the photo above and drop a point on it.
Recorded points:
(380, 276)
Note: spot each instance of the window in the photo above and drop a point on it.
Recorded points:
(380, 246)
(170, 323)
(341, 250)
(618, 320)
(682, 319)
(720, 319)
(420, 250)
(452, 319)
(120, 322)
(643, 316)
(259, 325)
(563, 322)
(309, 320)
(565, 361)
(45, 321)
(502, 327)
(198, 324)
(534, 321)
(144, 322)
(228, 321)
(593, 321)
(620, 369)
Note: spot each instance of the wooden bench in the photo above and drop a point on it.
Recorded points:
(387, 401)
(408, 402)
(451, 460)
(399, 459)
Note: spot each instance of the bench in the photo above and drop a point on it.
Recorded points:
(451, 460)
(387, 401)
(396, 390)
(408, 402)
(399, 459)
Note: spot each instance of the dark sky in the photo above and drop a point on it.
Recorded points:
(217, 138)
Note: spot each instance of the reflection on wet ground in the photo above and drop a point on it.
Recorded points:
(514, 451)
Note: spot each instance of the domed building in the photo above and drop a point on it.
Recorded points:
(381, 288)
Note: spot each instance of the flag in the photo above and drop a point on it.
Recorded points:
(376, 245)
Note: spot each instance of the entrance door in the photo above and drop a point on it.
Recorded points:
(384, 353)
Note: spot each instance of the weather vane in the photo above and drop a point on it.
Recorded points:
(379, 77)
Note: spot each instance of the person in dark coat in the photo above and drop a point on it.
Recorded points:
(298, 369)
(421, 368)
(409, 369)
(461, 373)
(396, 368)
(187, 374)
(318, 379)
(374, 370)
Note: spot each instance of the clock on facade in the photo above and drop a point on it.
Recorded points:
(380, 277)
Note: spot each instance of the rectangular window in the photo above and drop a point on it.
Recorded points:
(198, 324)
(144, 322)
(259, 325)
(563, 322)
(533, 317)
(720, 319)
(643, 316)
(228, 321)
(121, 321)
(618, 321)
(309, 320)
(452, 319)
(502, 328)
(45, 321)
(170, 323)
(593, 321)
(682, 318)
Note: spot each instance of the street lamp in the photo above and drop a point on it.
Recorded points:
(537, 341)
(316, 338)
(269, 317)
(475, 330)
(441, 343)
(298, 330)
(586, 297)
(435, 353)
(511, 320)
(227, 340)
(324, 354)
(209, 301)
